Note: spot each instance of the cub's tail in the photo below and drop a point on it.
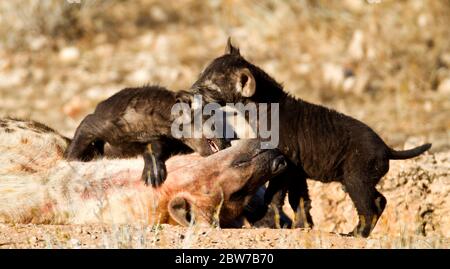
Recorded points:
(407, 154)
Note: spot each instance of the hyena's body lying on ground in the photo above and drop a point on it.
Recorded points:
(38, 186)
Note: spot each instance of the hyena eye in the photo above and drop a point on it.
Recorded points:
(242, 161)
(241, 164)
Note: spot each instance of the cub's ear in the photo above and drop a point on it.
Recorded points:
(230, 49)
(180, 210)
(246, 83)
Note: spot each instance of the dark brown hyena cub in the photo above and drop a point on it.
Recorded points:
(137, 121)
(320, 143)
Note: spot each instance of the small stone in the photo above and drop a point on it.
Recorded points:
(138, 77)
(445, 59)
(428, 106)
(303, 68)
(33, 239)
(38, 43)
(444, 86)
(354, 5)
(12, 79)
(69, 54)
(158, 14)
(333, 74)
(349, 84)
(422, 20)
(74, 242)
(356, 47)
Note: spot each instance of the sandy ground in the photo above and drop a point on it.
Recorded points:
(166, 236)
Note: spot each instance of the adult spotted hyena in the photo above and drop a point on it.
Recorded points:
(38, 186)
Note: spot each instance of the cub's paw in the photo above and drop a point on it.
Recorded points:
(154, 173)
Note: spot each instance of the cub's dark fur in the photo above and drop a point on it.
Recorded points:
(137, 121)
(320, 143)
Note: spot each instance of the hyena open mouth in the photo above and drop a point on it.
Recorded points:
(213, 145)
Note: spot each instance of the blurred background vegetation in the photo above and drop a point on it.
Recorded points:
(386, 63)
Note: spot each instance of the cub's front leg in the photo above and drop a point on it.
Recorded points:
(154, 163)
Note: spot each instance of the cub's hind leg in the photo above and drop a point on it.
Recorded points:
(369, 204)
(360, 178)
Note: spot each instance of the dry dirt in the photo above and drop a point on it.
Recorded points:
(387, 64)
(166, 236)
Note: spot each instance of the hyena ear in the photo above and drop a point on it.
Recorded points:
(230, 49)
(246, 83)
(180, 210)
